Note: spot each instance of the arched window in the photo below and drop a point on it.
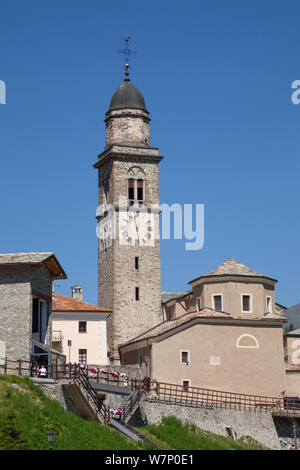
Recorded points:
(140, 190)
(247, 341)
(131, 190)
(106, 188)
(135, 190)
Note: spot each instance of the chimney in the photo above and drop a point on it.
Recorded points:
(77, 293)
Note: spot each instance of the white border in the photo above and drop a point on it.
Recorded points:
(237, 344)
(189, 357)
(250, 295)
(271, 307)
(213, 303)
(187, 380)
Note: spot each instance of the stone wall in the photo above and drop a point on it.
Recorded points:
(118, 277)
(68, 395)
(258, 425)
(127, 126)
(16, 307)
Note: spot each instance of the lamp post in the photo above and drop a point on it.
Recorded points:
(69, 344)
(51, 436)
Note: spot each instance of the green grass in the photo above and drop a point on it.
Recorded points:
(172, 434)
(27, 414)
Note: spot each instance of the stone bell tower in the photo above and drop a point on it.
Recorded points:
(128, 250)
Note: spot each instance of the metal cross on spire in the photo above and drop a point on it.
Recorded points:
(127, 53)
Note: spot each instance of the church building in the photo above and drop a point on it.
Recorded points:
(226, 332)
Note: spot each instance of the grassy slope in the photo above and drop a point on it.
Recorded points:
(26, 414)
(173, 434)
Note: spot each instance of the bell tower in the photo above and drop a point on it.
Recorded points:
(129, 279)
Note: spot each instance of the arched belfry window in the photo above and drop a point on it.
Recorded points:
(136, 190)
(131, 190)
(140, 190)
(106, 188)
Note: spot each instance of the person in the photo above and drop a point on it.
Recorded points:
(155, 388)
(43, 372)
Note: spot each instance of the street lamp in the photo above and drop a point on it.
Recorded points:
(51, 436)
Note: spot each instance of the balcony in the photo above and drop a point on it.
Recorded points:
(57, 336)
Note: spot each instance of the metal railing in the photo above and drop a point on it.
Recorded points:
(80, 377)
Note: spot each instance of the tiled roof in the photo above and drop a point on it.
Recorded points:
(62, 303)
(232, 267)
(294, 332)
(25, 258)
(47, 258)
(170, 325)
(166, 296)
(166, 326)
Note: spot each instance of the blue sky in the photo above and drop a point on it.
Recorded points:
(216, 77)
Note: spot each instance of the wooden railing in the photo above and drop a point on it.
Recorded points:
(171, 393)
(30, 368)
(194, 396)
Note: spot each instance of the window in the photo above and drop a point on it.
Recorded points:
(140, 361)
(106, 188)
(168, 313)
(35, 315)
(131, 190)
(82, 327)
(135, 190)
(136, 263)
(198, 304)
(217, 302)
(137, 293)
(185, 357)
(82, 356)
(186, 384)
(269, 304)
(140, 190)
(246, 303)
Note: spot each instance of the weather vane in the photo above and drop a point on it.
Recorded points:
(127, 53)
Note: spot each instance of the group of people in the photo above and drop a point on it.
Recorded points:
(40, 371)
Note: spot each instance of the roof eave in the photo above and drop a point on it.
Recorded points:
(198, 280)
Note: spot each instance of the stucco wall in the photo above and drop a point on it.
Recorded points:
(293, 383)
(94, 340)
(217, 363)
(232, 295)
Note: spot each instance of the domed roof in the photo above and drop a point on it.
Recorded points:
(127, 96)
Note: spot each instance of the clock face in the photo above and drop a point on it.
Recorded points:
(105, 234)
(136, 228)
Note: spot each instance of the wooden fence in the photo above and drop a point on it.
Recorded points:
(195, 396)
(169, 393)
